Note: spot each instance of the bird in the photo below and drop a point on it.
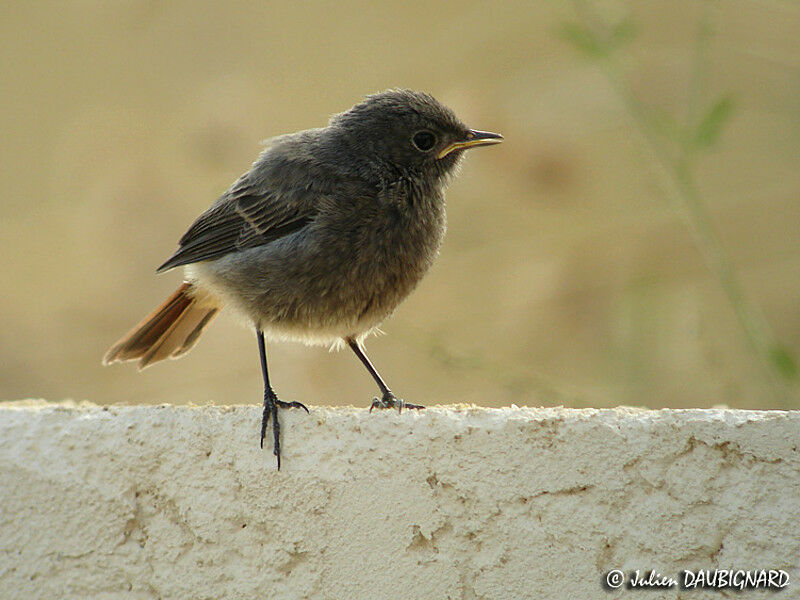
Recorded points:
(320, 240)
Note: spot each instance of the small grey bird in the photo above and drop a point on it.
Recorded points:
(320, 240)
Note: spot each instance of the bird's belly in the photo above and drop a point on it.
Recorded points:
(317, 297)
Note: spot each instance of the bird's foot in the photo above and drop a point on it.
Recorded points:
(271, 406)
(390, 401)
(282, 404)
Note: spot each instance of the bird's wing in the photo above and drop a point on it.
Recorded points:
(246, 216)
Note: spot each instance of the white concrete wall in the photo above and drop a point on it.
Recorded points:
(460, 503)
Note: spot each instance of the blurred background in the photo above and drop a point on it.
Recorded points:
(636, 239)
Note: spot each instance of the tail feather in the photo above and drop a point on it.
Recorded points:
(169, 331)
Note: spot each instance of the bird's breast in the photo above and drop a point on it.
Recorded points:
(402, 244)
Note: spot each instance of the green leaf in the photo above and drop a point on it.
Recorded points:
(583, 39)
(622, 33)
(784, 362)
(710, 126)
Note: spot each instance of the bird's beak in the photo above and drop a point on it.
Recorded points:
(474, 138)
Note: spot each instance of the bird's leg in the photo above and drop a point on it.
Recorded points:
(388, 399)
(271, 404)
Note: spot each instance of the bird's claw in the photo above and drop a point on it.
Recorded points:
(271, 406)
(283, 404)
(390, 401)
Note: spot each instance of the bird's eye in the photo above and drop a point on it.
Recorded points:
(423, 140)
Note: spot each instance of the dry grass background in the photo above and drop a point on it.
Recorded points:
(566, 276)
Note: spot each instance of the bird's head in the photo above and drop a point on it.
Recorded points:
(408, 131)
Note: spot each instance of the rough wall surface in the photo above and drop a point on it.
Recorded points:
(460, 503)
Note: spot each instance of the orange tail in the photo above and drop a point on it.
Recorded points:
(168, 332)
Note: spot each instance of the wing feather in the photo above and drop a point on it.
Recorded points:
(245, 217)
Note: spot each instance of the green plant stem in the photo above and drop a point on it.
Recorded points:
(690, 204)
(699, 77)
